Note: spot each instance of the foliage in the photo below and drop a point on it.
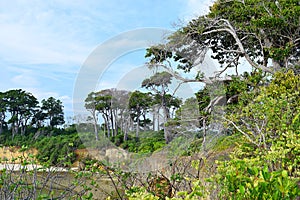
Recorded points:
(137, 193)
(148, 142)
(268, 21)
(245, 179)
(265, 34)
(53, 110)
(265, 136)
(58, 150)
(266, 164)
(31, 180)
(139, 105)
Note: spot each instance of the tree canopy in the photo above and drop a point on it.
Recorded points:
(263, 33)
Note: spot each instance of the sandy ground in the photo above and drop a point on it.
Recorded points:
(31, 167)
(8, 154)
(11, 157)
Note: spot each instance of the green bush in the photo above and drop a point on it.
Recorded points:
(148, 142)
(58, 150)
(266, 163)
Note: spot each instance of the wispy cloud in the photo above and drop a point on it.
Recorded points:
(43, 44)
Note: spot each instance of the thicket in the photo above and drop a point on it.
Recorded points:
(147, 142)
(265, 161)
(55, 145)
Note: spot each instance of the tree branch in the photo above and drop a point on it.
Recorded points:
(242, 132)
(229, 29)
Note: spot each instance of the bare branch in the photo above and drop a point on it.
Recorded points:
(242, 132)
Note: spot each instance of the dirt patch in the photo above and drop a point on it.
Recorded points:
(13, 154)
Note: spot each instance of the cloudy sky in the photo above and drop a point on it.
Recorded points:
(44, 45)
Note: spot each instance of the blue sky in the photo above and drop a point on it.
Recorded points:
(44, 44)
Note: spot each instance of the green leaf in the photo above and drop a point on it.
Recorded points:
(284, 174)
(242, 189)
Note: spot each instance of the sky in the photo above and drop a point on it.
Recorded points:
(45, 45)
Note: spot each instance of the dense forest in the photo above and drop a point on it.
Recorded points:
(237, 138)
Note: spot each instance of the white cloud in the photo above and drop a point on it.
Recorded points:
(24, 80)
(195, 8)
(44, 43)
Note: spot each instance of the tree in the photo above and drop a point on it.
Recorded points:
(188, 114)
(90, 105)
(53, 109)
(38, 119)
(104, 106)
(254, 31)
(159, 84)
(113, 106)
(259, 119)
(139, 104)
(258, 30)
(2, 112)
(120, 99)
(21, 105)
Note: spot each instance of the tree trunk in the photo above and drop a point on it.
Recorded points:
(166, 117)
(23, 129)
(125, 129)
(121, 122)
(144, 124)
(112, 122)
(158, 119)
(2, 121)
(96, 128)
(116, 122)
(137, 127)
(106, 123)
(153, 119)
(204, 134)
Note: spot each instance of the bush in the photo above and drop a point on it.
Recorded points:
(58, 150)
(148, 142)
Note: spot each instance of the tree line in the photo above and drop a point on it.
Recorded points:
(20, 109)
(124, 111)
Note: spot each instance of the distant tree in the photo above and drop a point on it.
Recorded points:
(139, 105)
(2, 112)
(38, 119)
(53, 109)
(21, 105)
(172, 104)
(112, 104)
(120, 100)
(90, 105)
(188, 114)
(159, 84)
(104, 106)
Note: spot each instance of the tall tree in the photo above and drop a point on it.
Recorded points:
(104, 106)
(90, 105)
(38, 118)
(53, 109)
(139, 105)
(112, 104)
(265, 34)
(2, 112)
(159, 84)
(21, 105)
(120, 99)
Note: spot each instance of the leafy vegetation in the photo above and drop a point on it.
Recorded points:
(256, 153)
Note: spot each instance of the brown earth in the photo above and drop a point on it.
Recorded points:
(13, 154)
